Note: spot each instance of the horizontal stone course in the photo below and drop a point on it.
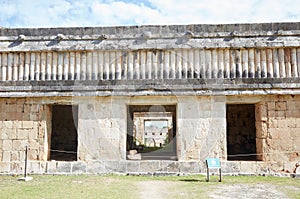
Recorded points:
(134, 167)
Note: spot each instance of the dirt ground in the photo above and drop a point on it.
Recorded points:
(161, 189)
(247, 191)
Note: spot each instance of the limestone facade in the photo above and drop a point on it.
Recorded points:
(199, 76)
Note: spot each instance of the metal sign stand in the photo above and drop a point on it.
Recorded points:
(25, 178)
(213, 163)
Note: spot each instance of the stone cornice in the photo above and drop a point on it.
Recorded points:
(151, 87)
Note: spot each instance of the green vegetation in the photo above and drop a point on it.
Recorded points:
(114, 186)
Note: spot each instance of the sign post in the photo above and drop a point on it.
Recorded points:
(213, 163)
(25, 178)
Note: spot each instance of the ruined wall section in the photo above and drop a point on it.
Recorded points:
(22, 123)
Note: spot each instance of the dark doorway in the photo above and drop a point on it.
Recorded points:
(64, 133)
(151, 131)
(241, 132)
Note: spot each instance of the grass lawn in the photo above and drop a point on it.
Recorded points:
(113, 186)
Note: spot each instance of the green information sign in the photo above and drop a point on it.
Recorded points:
(213, 163)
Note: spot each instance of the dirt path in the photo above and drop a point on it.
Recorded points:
(247, 191)
(165, 189)
(155, 189)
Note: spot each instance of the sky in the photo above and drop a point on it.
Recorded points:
(87, 13)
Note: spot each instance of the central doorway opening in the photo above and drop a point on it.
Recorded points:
(241, 132)
(151, 132)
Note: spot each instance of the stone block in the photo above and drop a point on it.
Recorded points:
(271, 114)
(248, 167)
(63, 167)
(123, 166)
(271, 106)
(17, 167)
(7, 145)
(33, 144)
(22, 155)
(27, 124)
(11, 133)
(111, 166)
(133, 166)
(33, 154)
(96, 167)
(150, 166)
(34, 167)
(189, 167)
(4, 167)
(8, 124)
(51, 167)
(132, 152)
(14, 156)
(137, 156)
(3, 135)
(280, 106)
(280, 114)
(16, 145)
(6, 156)
(79, 167)
(33, 134)
(231, 166)
(23, 134)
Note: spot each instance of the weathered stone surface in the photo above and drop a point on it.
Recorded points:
(7, 145)
(189, 167)
(111, 166)
(5, 167)
(96, 167)
(133, 166)
(79, 167)
(231, 167)
(63, 167)
(51, 167)
(170, 166)
(150, 166)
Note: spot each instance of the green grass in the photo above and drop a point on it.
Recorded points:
(67, 187)
(113, 186)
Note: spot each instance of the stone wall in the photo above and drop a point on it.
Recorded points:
(102, 132)
(278, 132)
(22, 123)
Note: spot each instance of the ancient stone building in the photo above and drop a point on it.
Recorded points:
(150, 98)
